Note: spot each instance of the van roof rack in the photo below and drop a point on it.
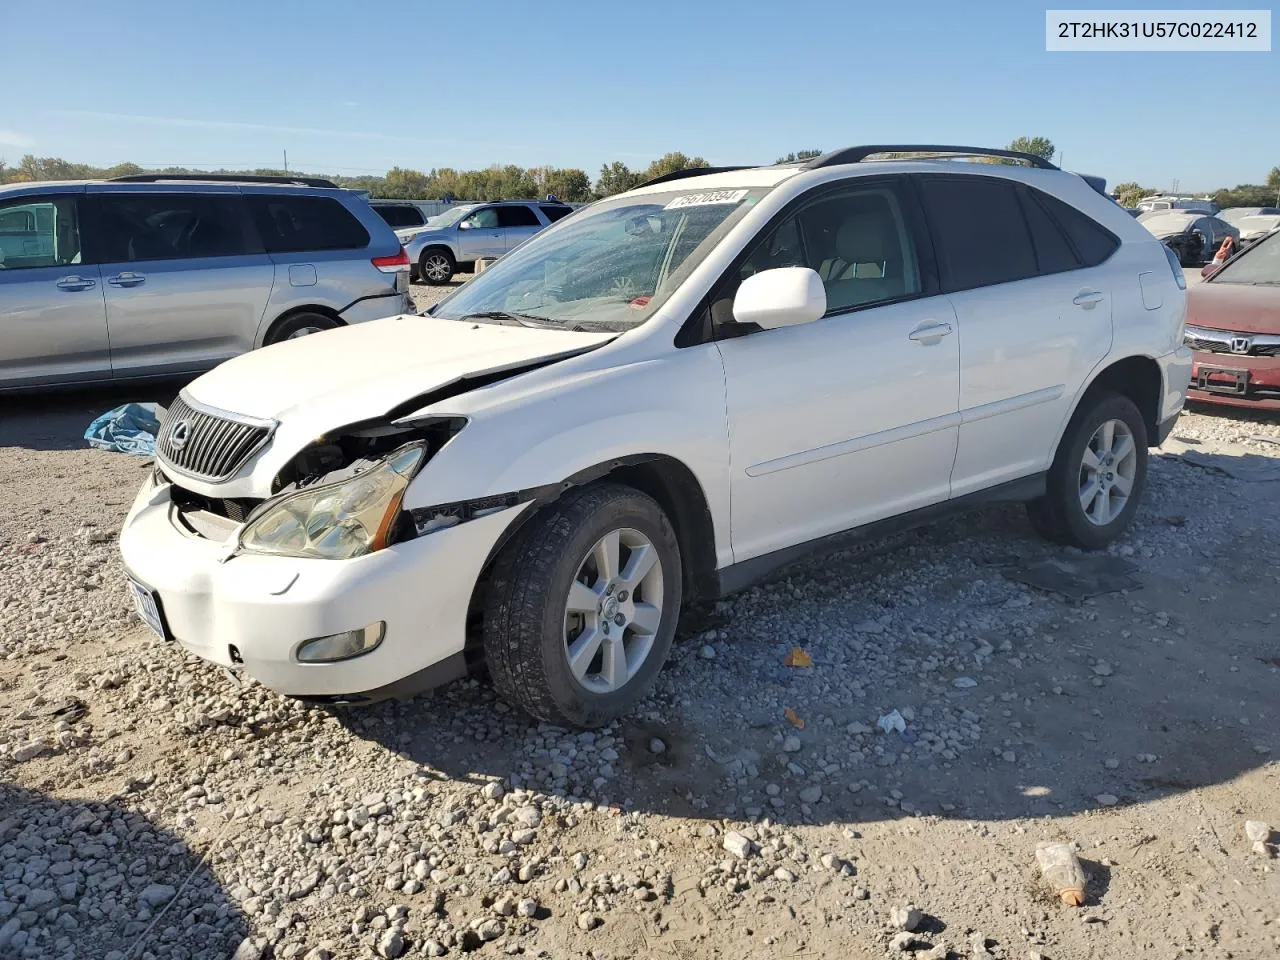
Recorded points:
(224, 178)
(859, 154)
(690, 172)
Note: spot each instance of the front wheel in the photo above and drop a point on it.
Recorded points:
(582, 607)
(1097, 477)
(436, 266)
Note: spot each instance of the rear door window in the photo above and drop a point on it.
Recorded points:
(295, 224)
(133, 227)
(1093, 242)
(979, 231)
(517, 216)
(39, 231)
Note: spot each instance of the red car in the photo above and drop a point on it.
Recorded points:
(1233, 324)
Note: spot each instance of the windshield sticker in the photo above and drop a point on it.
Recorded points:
(705, 199)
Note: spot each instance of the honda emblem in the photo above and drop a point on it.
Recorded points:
(1241, 344)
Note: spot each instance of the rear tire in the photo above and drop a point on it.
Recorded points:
(582, 606)
(436, 266)
(299, 325)
(1098, 475)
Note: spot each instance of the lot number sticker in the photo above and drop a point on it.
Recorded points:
(705, 199)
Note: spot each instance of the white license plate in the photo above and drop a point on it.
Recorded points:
(144, 602)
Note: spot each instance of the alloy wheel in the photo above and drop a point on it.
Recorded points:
(1107, 472)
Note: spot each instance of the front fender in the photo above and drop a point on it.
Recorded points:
(673, 407)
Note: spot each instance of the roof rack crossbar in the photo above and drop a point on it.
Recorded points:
(224, 178)
(858, 154)
(689, 172)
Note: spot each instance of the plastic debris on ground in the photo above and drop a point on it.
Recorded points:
(891, 722)
(793, 718)
(130, 428)
(1078, 578)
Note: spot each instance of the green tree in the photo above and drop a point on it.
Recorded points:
(1129, 193)
(1038, 146)
(615, 178)
(670, 163)
(799, 155)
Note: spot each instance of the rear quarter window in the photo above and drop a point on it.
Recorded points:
(555, 213)
(1093, 242)
(290, 224)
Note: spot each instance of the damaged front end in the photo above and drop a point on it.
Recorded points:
(337, 498)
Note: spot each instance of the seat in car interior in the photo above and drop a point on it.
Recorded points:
(866, 266)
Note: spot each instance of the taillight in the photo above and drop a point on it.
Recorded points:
(393, 264)
(1175, 265)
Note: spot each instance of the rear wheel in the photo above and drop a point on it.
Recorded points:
(582, 607)
(436, 266)
(1098, 475)
(300, 325)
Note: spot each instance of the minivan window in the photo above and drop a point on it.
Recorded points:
(517, 216)
(979, 231)
(170, 226)
(556, 213)
(400, 216)
(39, 231)
(294, 224)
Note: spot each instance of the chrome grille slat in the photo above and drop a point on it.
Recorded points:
(215, 443)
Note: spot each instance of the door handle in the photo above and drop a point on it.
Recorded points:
(126, 278)
(929, 332)
(75, 283)
(1088, 298)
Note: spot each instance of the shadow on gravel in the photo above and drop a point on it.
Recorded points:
(57, 420)
(1061, 706)
(93, 880)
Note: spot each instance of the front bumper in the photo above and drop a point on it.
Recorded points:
(255, 611)
(1249, 382)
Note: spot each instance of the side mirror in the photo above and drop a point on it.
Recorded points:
(783, 297)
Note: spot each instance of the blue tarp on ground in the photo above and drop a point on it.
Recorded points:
(131, 428)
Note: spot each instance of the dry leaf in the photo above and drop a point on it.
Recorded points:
(793, 718)
(798, 658)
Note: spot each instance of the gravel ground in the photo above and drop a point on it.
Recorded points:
(151, 807)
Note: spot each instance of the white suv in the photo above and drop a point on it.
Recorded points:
(658, 400)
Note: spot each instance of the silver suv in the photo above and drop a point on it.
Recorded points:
(156, 276)
(471, 231)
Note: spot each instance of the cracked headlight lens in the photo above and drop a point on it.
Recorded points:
(336, 521)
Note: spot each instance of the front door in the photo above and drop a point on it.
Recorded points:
(185, 277)
(480, 235)
(850, 419)
(53, 322)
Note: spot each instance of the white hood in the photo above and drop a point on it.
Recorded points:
(327, 380)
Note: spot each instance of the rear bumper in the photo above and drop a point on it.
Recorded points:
(1252, 384)
(375, 308)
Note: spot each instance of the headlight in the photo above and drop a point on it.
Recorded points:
(336, 521)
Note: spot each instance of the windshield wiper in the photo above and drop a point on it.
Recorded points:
(520, 319)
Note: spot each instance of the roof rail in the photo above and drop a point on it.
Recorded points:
(224, 178)
(858, 154)
(688, 172)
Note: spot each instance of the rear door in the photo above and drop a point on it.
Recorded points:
(53, 322)
(185, 276)
(1034, 313)
(519, 223)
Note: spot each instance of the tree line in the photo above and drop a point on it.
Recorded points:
(508, 181)
(501, 181)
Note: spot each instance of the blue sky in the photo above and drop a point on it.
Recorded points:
(353, 88)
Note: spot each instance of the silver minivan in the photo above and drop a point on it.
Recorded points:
(158, 276)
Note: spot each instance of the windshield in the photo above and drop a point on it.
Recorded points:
(609, 266)
(450, 217)
(1260, 264)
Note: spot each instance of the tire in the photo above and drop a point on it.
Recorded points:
(1066, 514)
(529, 629)
(436, 266)
(299, 325)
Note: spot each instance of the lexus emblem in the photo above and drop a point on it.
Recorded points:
(179, 434)
(1241, 344)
